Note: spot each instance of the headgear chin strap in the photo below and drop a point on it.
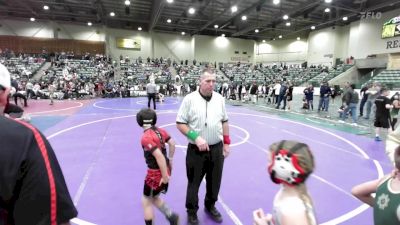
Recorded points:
(285, 166)
(146, 116)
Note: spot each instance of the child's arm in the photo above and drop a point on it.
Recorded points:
(162, 163)
(363, 191)
(171, 151)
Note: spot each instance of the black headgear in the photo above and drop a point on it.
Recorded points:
(146, 116)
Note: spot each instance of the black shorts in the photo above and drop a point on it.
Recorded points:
(150, 192)
(382, 121)
(289, 98)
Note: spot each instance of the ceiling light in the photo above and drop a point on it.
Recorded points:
(280, 36)
(263, 41)
(285, 17)
(256, 30)
(222, 35)
(89, 24)
(298, 38)
(46, 7)
(183, 33)
(112, 14)
(345, 18)
(127, 2)
(216, 26)
(169, 20)
(170, 1)
(139, 28)
(33, 19)
(192, 10)
(276, 2)
(244, 17)
(312, 27)
(328, 1)
(288, 24)
(234, 9)
(327, 10)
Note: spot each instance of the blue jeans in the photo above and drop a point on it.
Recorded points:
(369, 106)
(323, 101)
(352, 107)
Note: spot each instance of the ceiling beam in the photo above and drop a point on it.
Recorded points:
(244, 11)
(308, 5)
(26, 6)
(158, 6)
(211, 21)
(328, 23)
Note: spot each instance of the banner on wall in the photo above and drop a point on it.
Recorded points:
(128, 43)
(391, 28)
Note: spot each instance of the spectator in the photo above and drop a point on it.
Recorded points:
(32, 186)
(382, 115)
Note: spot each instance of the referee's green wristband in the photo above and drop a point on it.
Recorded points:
(192, 135)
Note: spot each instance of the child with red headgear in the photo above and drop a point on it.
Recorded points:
(291, 163)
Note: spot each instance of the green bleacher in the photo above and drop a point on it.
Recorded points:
(389, 78)
(332, 73)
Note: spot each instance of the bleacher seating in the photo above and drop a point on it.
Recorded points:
(332, 73)
(390, 78)
(19, 66)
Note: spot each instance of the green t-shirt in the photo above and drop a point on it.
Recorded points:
(387, 205)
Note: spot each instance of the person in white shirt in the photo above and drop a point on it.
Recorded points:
(202, 118)
(277, 88)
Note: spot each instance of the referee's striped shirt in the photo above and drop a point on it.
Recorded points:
(204, 117)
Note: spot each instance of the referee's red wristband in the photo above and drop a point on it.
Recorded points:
(227, 140)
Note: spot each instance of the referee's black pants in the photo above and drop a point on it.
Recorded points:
(208, 163)
(149, 97)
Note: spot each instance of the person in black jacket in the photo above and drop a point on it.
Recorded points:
(32, 186)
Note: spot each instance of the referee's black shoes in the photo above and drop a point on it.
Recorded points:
(214, 214)
(192, 219)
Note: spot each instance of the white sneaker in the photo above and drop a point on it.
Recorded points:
(354, 124)
(341, 121)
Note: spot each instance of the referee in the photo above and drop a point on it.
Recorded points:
(151, 90)
(32, 186)
(203, 120)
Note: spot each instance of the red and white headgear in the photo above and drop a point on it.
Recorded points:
(285, 167)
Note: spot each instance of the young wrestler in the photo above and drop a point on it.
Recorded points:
(159, 166)
(386, 201)
(291, 163)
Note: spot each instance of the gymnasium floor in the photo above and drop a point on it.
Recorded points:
(98, 145)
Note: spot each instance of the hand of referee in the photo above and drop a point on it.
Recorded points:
(202, 144)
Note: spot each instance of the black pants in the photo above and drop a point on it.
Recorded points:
(363, 101)
(208, 163)
(151, 96)
(19, 95)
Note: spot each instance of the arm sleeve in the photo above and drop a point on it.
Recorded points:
(149, 144)
(225, 115)
(183, 113)
(37, 195)
(164, 134)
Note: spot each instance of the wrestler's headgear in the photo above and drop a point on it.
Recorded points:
(146, 116)
(286, 165)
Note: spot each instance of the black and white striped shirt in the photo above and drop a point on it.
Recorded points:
(204, 117)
